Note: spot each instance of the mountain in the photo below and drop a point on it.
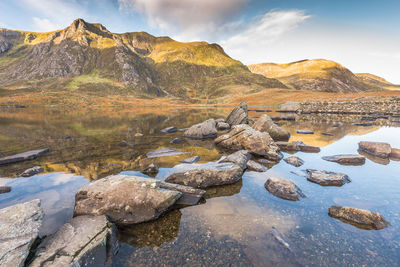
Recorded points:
(86, 57)
(377, 81)
(320, 75)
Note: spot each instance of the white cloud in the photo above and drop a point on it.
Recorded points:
(44, 24)
(189, 19)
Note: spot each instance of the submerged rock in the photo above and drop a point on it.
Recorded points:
(151, 169)
(239, 158)
(239, 115)
(5, 189)
(326, 178)
(32, 171)
(205, 175)
(204, 130)
(283, 188)
(377, 149)
(364, 219)
(19, 228)
(164, 152)
(190, 196)
(190, 160)
(171, 129)
(265, 124)
(243, 137)
(295, 161)
(29, 155)
(346, 159)
(297, 146)
(255, 166)
(125, 199)
(82, 241)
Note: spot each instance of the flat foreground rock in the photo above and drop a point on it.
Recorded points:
(164, 152)
(377, 149)
(29, 155)
(297, 146)
(360, 218)
(283, 188)
(295, 161)
(346, 159)
(255, 166)
(265, 124)
(83, 241)
(204, 130)
(205, 175)
(326, 178)
(125, 199)
(19, 228)
(239, 115)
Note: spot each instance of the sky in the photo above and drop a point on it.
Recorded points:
(362, 35)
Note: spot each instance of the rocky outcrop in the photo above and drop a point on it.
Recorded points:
(151, 169)
(243, 137)
(190, 196)
(376, 149)
(295, 161)
(290, 106)
(163, 152)
(32, 171)
(255, 166)
(29, 155)
(205, 175)
(125, 199)
(364, 219)
(297, 146)
(82, 241)
(239, 158)
(265, 124)
(326, 178)
(204, 130)
(283, 188)
(19, 228)
(346, 159)
(239, 115)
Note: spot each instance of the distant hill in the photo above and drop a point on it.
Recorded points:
(321, 75)
(87, 57)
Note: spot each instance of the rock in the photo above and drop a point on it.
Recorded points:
(220, 120)
(377, 149)
(255, 166)
(222, 126)
(297, 146)
(266, 162)
(5, 189)
(326, 178)
(239, 158)
(205, 175)
(171, 129)
(284, 118)
(151, 169)
(82, 241)
(32, 171)
(19, 228)
(265, 124)
(337, 125)
(239, 115)
(29, 155)
(204, 130)
(327, 134)
(190, 196)
(164, 152)
(295, 161)
(176, 141)
(283, 188)
(138, 134)
(125, 199)
(395, 153)
(346, 159)
(243, 137)
(365, 124)
(190, 160)
(290, 106)
(364, 219)
(304, 132)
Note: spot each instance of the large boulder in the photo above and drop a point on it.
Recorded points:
(82, 241)
(364, 219)
(204, 130)
(239, 115)
(377, 149)
(290, 106)
(346, 159)
(265, 124)
(326, 178)
(19, 228)
(205, 175)
(125, 199)
(29, 155)
(239, 158)
(283, 188)
(243, 137)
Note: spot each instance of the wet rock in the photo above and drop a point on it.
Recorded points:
(377, 149)
(346, 159)
(304, 132)
(190, 160)
(283, 188)
(239, 115)
(265, 124)
(364, 219)
(255, 166)
(19, 228)
(151, 169)
(243, 137)
(222, 126)
(290, 106)
(82, 241)
(125, 199)
(239, 158)
(365, 124)
(295, 161)
(284, 118)
(32, 171)
(176, 141)
(205, 175)
(297, 146)
(204, 130)
(395, 153)
(164, 152)
(5, 189)
(328, 134)
(190, 196)
(29, 155)
(326, 178)
(171, 129)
